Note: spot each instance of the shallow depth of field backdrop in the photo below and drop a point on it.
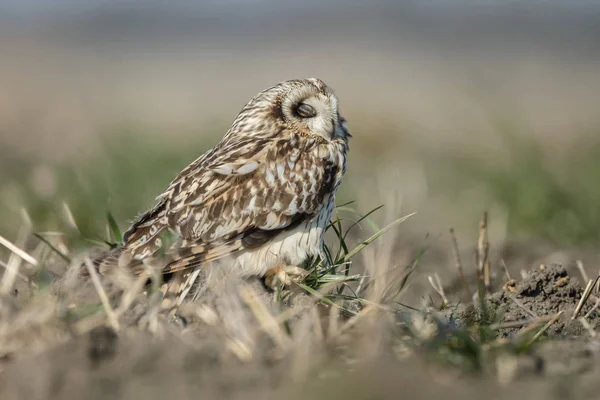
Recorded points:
(456, 108)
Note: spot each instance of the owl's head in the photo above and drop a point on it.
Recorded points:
(304, 106)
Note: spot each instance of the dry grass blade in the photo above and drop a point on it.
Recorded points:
(483, 251)
(523, 274)
(581, 269)
(112, 317)
(516, 324)
(266, 320)
(357, 318)
(360, 286)
(522, 306)
(586, 295)
(530, 326)
(505, 268)
(26, 257)
(587, 315)
(131, 293)
(10, 275)
(437, 286)
(534, 324)
(19, 274)
(545, 328)
(333, 325)
(69, 218)
(242, 351)
(458, 264)
(14, 262)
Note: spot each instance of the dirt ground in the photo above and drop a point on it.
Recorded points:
(208, 355)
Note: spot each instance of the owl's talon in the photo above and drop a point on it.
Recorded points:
(283, 275)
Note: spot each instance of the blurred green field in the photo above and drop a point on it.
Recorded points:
(547, 194)
(450, 116)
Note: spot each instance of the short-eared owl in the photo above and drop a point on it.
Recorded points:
(260, 199)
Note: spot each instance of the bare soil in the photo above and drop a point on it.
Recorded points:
(191, 358)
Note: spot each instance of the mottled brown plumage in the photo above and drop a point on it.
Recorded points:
(260, 198)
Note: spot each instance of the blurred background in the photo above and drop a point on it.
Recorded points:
(456, 107)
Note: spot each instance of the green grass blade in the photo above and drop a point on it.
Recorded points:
(411, 269)
(342, 244)
(369, 221)
(114, 228)
(345, 204)
(53, 248)
(329, 278)
(364, 217)
(101, 242)
(367, 242)
(348, 209)
(324, 299)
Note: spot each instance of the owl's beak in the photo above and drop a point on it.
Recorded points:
(344, 127)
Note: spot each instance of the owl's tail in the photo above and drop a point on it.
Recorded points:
(175, 284)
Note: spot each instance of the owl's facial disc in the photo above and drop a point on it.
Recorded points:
(313, 109)
(319, 115)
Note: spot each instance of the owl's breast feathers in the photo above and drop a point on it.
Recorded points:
(238, 196)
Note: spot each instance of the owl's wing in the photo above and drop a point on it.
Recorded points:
(238, 196)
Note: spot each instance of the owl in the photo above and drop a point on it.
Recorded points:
(260, 200)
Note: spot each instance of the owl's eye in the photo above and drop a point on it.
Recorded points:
(306, 111)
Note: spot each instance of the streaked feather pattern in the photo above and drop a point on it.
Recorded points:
(261, 196)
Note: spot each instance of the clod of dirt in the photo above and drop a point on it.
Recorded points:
(543, 293)
(546, 291)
